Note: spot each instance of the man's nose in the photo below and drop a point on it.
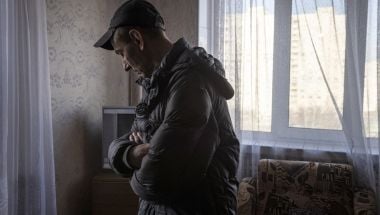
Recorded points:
(125, 66)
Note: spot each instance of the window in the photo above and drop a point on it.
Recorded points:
(279, 55)
(370, 106)
(317, 43)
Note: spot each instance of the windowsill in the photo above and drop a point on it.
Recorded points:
(338, 145)
(286, 153)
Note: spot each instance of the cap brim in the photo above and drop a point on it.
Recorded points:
(105, 41)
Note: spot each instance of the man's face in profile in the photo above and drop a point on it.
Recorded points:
(132, 52)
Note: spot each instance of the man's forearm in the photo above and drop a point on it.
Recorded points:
(134, 154)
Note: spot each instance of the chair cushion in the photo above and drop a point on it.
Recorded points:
(364, 202)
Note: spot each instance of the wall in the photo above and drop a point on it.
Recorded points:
(83, 79)
(181, 18)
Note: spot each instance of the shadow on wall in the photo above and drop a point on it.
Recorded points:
(79, 191)
(77, 160)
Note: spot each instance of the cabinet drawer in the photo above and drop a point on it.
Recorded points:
(112, 194)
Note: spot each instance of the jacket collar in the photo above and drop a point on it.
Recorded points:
(155, 85)
(164, 70)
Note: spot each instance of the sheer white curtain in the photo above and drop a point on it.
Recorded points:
(305, 77)
(27, 182)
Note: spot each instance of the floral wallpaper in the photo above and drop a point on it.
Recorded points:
(83, 79)
(181, 18)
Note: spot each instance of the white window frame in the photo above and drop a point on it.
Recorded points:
(281, 134)
(281, 72)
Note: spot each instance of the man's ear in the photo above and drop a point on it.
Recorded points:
(137, 38)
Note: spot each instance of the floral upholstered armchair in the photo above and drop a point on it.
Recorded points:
(307, 188)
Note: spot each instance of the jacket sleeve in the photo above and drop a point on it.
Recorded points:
(117, 152)
(174, 143)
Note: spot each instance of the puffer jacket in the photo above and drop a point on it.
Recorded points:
(193, 157)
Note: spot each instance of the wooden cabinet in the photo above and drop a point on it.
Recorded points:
(112, 195)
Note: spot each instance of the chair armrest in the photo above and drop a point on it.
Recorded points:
(247, 196)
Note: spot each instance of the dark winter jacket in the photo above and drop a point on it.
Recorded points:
(193, 156)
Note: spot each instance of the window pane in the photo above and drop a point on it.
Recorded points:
(317, 47)
(248, 61)
(203, 27)
(370, 109)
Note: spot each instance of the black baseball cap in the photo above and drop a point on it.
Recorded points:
(134, 13)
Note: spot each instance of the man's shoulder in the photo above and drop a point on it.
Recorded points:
(190, 64)
(185, 75)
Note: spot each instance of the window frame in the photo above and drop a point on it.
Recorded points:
(282, 134)
(281, 88)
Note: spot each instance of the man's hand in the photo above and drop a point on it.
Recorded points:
(136, 137)
(136, 154)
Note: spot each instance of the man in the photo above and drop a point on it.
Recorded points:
(182, 153)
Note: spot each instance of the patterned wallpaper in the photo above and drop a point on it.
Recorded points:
(181, 18)
(83, 79)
